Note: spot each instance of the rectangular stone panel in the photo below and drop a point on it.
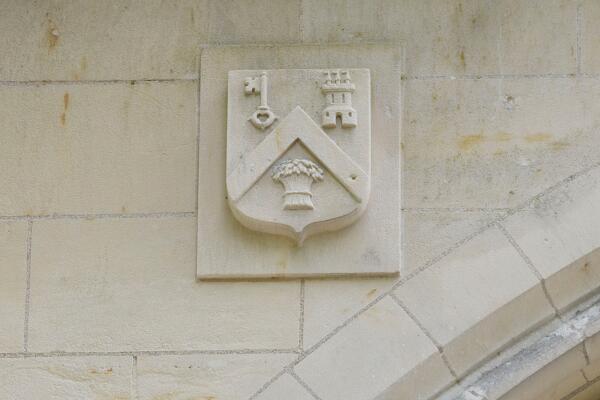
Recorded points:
(128, 284)
(98, 148)
(371, 246)
(13, 270)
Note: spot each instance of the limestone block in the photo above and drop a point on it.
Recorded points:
(477, 299)
(66, 378)
(328, 303)
(590, 48)
(130, 39)
(561, 235)
(98, 148)
(128, 284)
(371, 246)
(455, 37)
(13, 270)
(592, 371)
(563, 388)
(590, 392)
(564, 372)
(285, 387)
(380, 352)
(206, 376)
(495, 143)
(592, 346)
(254, 21)
(429, 233)
(547, 354)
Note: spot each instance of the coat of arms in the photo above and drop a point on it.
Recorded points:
(298, 149)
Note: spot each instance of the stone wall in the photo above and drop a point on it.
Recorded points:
(98, 183)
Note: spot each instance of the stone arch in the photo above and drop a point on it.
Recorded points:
(445, 327)
(559, 361)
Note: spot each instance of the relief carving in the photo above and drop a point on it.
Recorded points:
(325, 182)
(263, 116)
(338, 89)
(297, 177)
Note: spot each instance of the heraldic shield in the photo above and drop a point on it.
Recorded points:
(298, 149)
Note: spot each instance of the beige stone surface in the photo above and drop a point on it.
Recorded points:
(560, 376)
(427, 234)
(590, 48)
(561, 389)
(456, 37)
(205, 376)
(512, 320)
(371, 244)
(592, 346)
(13, 270)
(285, 387)
(421, 383)
(372, 353)
(152, 39)
(254, 21)
(73, 40)
(66, 378)
(494, 143)
(590, 392)
(430, 233)
(476, 299)
(128, 284)
(540, 361)
(592, 371)
(561, 235)
(113, 148)
(131, 39)
(472, 147)
(329, 303)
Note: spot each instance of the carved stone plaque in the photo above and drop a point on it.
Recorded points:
(299, 161)
(298, 149)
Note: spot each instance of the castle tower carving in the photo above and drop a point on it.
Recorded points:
(338, 89)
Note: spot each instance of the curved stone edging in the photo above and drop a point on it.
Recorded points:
(529, 356)
(470, 304)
